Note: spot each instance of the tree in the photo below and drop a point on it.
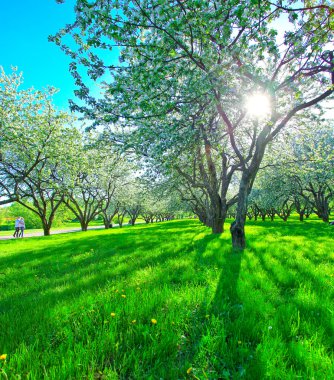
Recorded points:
(134, 200)
(209, 168)
(35, 149)
(191, 157)
(113, 185)
(92, 180)
(42, 191)
(322, 18)
(314, 175)
(110, 211)
(160, 202)
(20, 114)
(177, 52)
(299, 172)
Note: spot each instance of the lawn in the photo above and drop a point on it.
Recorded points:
(67, 226)
(169, 301)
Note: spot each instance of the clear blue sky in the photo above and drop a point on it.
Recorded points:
(24, 29)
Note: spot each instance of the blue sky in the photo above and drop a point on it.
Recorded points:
(24, 29)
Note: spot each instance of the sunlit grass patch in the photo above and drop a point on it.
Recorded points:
(170, 301)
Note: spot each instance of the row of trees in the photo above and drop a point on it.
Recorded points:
(179, 99)
(150, 210)
(300, 178)
(46, 163)
(186, 72)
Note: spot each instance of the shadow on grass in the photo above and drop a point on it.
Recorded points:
(304, 300)
(247, 291)
(94, 248)
(42, 274)
(254, 295)
(313, 229)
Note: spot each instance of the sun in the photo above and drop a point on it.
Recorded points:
(258, 105)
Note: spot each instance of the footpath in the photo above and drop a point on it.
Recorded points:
(52, 232)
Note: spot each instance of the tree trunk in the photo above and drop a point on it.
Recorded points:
(209, 221)
(325, 218)
(238, 232)
(301, 216)
(46, 230)
(84, 226)
(217, 225)
(219, 214)
(322, 211)
(238, 235)
(238, 226)
(120, 220)
(107, 222)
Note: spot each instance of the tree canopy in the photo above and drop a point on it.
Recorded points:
(181, 62)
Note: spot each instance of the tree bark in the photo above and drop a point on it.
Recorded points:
(238, 226)
(325, 218)
(218, 215)
(47, 225)
(217, 225)
(238, 235)
(46, 230)
(107, 222)
(84, 226)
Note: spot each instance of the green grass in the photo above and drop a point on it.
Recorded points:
(67, 226)
(264, 314)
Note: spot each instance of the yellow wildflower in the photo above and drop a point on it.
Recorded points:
(123, 295)
(154, 321)
(3, 357)
(113, 314)
(134, 321)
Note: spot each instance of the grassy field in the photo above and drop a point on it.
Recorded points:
(169, 301)
(66, 226)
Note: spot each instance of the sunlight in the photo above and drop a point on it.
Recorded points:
(258, 105)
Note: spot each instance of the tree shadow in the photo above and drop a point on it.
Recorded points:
(61, 271)
(87, 264)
